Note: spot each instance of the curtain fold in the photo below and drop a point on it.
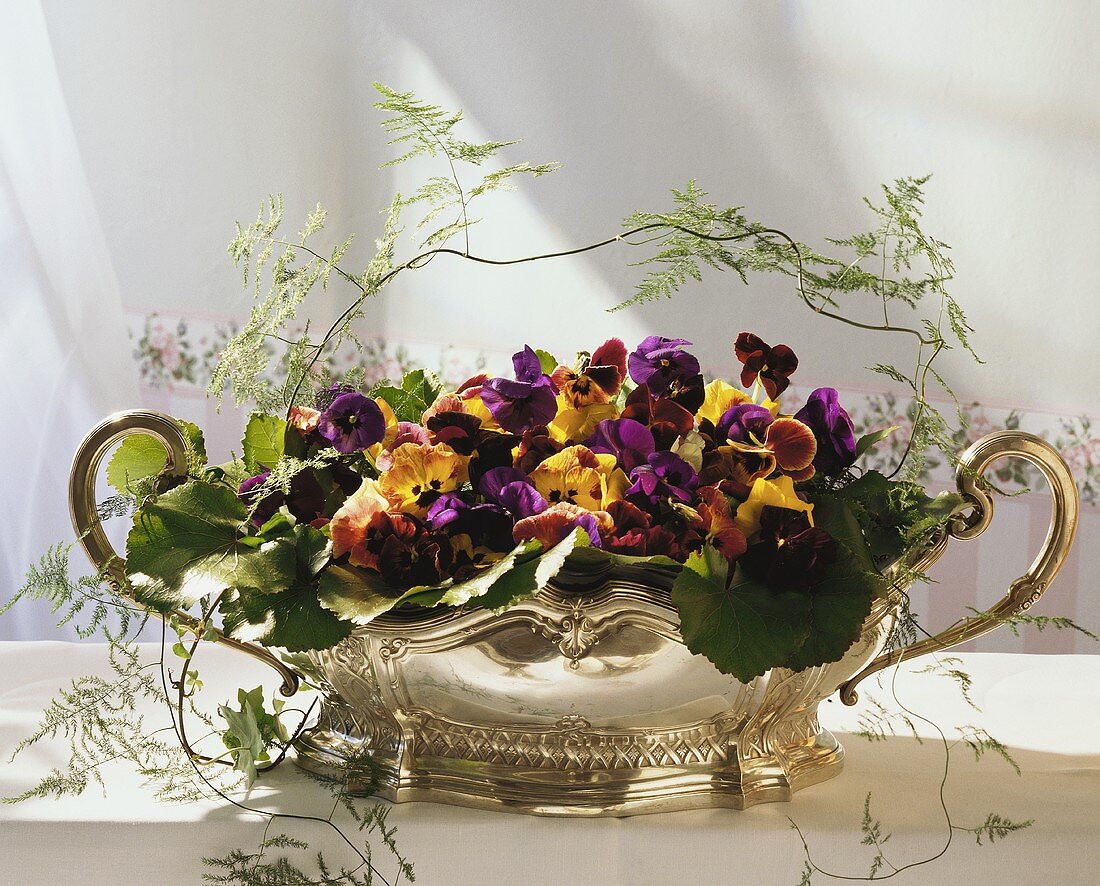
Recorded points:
(64, 354)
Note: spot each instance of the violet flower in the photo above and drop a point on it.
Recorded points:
(488, 525)
(663, 476)
(629, 441)
(739, 421)
(659, 361)
(528, 401)
(512, 490)
(352, 423)
(832, 428)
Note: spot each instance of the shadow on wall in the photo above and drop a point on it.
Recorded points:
(630, 115)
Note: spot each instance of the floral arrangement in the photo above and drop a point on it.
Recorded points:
(412, 495)
(349, 499)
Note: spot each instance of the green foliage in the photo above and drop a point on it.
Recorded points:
(140, 458)
(263, 442)
(285, 610)
(416, 392)
(252, 731)
(742, 626)
(996, 827)
(191, 542)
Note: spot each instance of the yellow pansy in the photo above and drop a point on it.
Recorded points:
(777, 493)
(474, 406)
(575, 475)
(391, 429)
(718, 396)
(418, 470)
(571, 425)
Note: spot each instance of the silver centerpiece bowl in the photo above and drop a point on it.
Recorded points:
(584, 700)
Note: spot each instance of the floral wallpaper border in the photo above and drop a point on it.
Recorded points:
(177, 354)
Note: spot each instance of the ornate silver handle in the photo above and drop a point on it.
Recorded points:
(89, 530)
(1025, 591)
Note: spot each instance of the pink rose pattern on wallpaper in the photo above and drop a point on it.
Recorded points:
(175, 355)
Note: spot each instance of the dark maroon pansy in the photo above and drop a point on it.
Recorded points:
(832, 428)
(459, 430)
(773, 366)
(789, 554)
(535, 446)
(407, 555)
(667, 420)
(488, 525)
(352, 422)
(659, 362)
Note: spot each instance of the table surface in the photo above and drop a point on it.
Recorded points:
(1046, 709)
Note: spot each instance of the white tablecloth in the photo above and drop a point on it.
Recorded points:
(1045, 708)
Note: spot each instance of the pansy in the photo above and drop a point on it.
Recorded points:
(304, 419)
(629, 441)
(744, 423)
(775, 493)
(419, 474)
(408, 556)
(350, 525)
(459, 430)
(512, 490)
(403, 432)
(664, 476)
(487, 525)
(596, 378)
(573, 425)
(305, 500)
(443, 403)
(558, 521)
(718, 396)
(789, 553)
(717, 521)
(352, 422)
(744, 463)
(575, 475)
(666, 419)
(528, 401)
(772, 366)
(832, 427)
(535, 446)
(494, 450)
(690, 447)
(659, 362)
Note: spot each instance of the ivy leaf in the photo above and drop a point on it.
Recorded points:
(244, 739)
(868, 440)
(744, 629)
(190, 542)
(263, 442)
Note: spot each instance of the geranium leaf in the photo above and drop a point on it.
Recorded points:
(841, 601)
(422, 384)
(464, 591)
(406, 405)
(586, 557)
(356, 595)
(744, 629)
(138, 458)
(263, 441)
(547, 361)
(292, 618)
(189, 542)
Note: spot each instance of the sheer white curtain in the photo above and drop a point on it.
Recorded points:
(64, 356)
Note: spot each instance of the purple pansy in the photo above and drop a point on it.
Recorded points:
(528, 401)
(658, 362)
(833, 430)
(306, 500)
(352, 423)
(629, 441)
(488, 525)
(512, 490)
(739, 421)
(663, 476)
